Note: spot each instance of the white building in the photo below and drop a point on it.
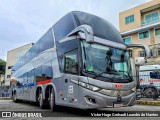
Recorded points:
(12, 57)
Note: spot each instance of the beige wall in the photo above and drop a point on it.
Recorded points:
(125, 27)
(12, 57)
(135, 39)
(137, 16)
(148, 41)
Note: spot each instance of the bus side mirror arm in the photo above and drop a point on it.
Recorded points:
(87, 30)
(138, 63)
(145, 47)
(83, 32)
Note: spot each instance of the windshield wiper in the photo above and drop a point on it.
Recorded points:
(127, 74)
(108, 72)
(90, 72)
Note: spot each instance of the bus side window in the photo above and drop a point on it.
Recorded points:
(155, 75)
(38, 74)
(47, 70)
(61, 63)
(32, 76)
(18, 81)
(25, 78)
(71, 62)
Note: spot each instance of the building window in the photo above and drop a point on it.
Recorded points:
(130, 53)
(10, 67)
(144, 35)
(129, 19)
(152, 17)
(158, 51)
(157, 31)
(8, 76)
(142, 54)
(152, 52)
(127, 40)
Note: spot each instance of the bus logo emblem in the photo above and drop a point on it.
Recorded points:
(119, 86)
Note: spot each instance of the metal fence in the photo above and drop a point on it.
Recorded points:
(149, 86)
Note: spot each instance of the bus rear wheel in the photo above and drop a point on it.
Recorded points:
(15, 97)
(52, 100)
(151, 93)
(40, 100)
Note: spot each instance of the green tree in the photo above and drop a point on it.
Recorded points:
(2, 66)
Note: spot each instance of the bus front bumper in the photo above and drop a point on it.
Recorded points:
(91, 100)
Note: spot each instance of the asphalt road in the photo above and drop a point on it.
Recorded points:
(71, 113)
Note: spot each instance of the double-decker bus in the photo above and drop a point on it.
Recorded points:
(79, 62)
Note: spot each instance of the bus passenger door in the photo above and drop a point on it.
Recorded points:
(69, 90)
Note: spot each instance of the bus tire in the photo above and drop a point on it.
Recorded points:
(15, 97)
(40, 100)
(153, 93)
(52, 100)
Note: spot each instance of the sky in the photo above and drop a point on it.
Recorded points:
(25, 21)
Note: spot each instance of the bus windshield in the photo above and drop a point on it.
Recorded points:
(105, 61)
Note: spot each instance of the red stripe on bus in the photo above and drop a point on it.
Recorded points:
(43, 82)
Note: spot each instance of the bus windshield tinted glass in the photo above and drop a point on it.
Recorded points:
(106, 61)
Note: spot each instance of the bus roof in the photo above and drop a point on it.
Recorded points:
(102, 28)
(149, 67)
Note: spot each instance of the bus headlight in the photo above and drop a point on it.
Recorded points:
(93, 88)
(86, 85)
(133, 89)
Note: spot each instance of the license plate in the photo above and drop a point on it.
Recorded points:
(117, 104)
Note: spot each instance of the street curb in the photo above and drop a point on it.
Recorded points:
(148, 102)
(5, 98)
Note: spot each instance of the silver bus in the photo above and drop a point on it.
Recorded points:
(80, 62)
